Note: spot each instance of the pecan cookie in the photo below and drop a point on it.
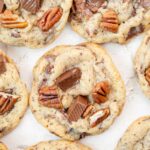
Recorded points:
(33, 23)
(13, 95)
(59, 144)
(137, 136)
(142, 64)
(103, 21)
(2, 146)
(77, 91)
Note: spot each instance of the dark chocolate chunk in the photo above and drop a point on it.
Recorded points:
(2, 65)
(134, 31)
(68, 78)
(77, 108)
(1, 6)
(31, 5)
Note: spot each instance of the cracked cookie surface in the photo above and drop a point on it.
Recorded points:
(57, 145)
(142, 64)
(103, 21)
(13, 95)
(32, 23)
(77, 90)
(137, 136)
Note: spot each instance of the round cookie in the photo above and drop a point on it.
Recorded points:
(137, 136)
(103, 21)
(33, 23)
(59, 144)
(13, 95)
(76, 91)
(2, 146)
(142, 65)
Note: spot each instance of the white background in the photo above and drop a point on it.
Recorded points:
(30, 132)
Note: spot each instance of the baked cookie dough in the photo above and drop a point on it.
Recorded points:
(103, 21)
(77, 91)
(2, 146)
(142, 65)
(13, 95)
(33, 23)
(137, 136)
(57, 145)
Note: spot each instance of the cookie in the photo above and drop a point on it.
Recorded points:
(142, 65)
(32, 23)
(77, 91)
(13, 95)
(2, 146)
(137, 136)
(59, 144)
(103, 21)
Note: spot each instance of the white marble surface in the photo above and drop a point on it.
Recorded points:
(30, 132)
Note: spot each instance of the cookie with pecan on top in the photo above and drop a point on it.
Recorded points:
(32, 23)
(103, 21)
(77, 91)
(13, 95)
(142, 64)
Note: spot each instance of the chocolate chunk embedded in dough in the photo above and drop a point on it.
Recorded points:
(68, 78)
(77, 108)
(31, 5)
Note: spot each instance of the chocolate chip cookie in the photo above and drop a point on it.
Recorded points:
(33, 23)
(137, 136)
(103, 21)
(77, 91)
(2, 146)
(142, 65)
(13, 95)
(59, 144)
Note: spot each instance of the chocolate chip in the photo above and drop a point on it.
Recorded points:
(31, 5)
(2, 65)
(77, 108)
(134, 31)
(68, 79)
(1, 6)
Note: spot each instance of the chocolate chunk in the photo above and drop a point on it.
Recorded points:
(134, 31)
(1, 6)
(2, 65)
(68, 78)
(77, 108)
(31, 5)
(145, 3)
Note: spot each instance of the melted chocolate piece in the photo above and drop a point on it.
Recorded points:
(68, 78)
(77, 108)
(134, 31)
(31, 5)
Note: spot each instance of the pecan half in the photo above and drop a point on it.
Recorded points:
(9, 20)
(48, 97)
(50, 18)
(7, 102)
(110, 21)
(147, 75)
(100, 92)
(89, 110)
(99, 117)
